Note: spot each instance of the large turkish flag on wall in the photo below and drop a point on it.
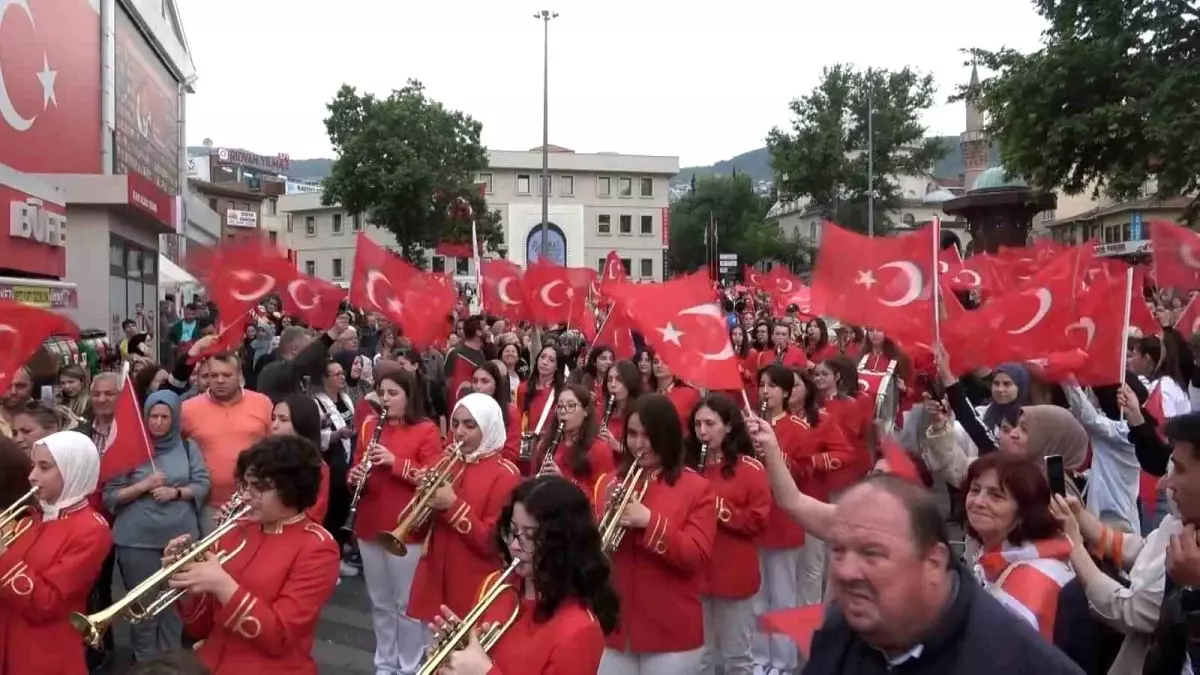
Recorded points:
(50, 86)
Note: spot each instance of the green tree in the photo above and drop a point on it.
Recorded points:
(823, 158)
(1108, 102)
(407, 161)
(732, 203)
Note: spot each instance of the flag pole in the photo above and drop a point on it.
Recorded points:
(1125, 328)
(937, 282)
(126, 382)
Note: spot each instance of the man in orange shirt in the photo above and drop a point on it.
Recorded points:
(223, 422)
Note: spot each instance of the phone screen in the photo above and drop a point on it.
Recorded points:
(1056, 474)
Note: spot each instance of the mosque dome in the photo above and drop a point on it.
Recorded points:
(997, 177)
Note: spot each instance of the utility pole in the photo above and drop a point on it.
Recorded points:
(545, 16)
(870, 155)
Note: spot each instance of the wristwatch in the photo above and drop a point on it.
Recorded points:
(178, 494)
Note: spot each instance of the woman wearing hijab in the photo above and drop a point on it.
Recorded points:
(153, 504)
(461, 549)
(48, 573)
(1010, 392)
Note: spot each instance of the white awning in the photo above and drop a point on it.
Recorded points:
(170, 274)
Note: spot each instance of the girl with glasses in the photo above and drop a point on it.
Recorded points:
(579, 455)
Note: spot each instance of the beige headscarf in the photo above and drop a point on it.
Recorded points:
(1055, 431)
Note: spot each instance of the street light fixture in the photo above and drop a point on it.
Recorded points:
(545, 17)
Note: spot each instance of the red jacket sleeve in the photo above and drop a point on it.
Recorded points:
(476, 527)
(685, 545)
(274, 629)
(197, 613)
(748, 520)
(428, 443)
(834, 451)
(45, 595)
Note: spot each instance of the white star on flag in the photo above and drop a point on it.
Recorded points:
(46, 77)
(670, 334)
(394, 305)
(865, 278)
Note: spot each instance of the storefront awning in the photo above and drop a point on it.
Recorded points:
(170, 274)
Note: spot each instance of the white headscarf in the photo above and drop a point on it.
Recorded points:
(490, 419)
(79, 463)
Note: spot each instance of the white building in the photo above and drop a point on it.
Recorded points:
(598, 202)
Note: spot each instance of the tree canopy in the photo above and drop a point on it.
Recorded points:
(738, 211)
(408, 162)
(1108, 103)
(823, 158)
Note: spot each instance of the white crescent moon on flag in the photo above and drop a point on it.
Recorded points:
(502, 291)
(1044, 304)
(268, 282)
(863, 385)
(943, 267)
(976, 280)
(1189, 257)
(779, 284)
(612, 272)
(297, 284)
(915, 282)
(712, 311)
(7, 111)
(1088, 325)
(545, 293)
(373, 277)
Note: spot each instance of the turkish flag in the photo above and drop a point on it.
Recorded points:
(127, 445)
(616, 331)
(1175, 250)
(503, 293)
(50, 86)
(550, 294)
(614, 272)
(754, 279)
(23, 329)
(687, 328)
(315, 301)
(241, 275)
(420, 303)
(798, 623)
(1189, 321)
(881, 282)
(230, 334)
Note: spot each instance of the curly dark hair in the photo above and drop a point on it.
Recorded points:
(290, 464)
(579, 451)
(14, 472)
(736, 442)
(567, 560)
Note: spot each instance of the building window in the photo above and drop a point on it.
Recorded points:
(461, 266)
(566, 186)
(796, 232)
(624, 187)
(273, 238)
(647, 187)
(289, 222)
(604, 224)
(626, 224)
(357, 222)
(523, 183)
(909, 219)
(438, 265)
(1047, 216)
(230, 206)
(337, 223)
(337, 268)
(212, 203)
(271, 208)
(600, 265)
(245, 206)
(310, 268)
(604, 186)
(647, 268)
(486, 179)
(647, 224)
(627, 265)
(546, 182)
(310, 226)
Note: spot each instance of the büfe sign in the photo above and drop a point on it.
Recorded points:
(33, 234)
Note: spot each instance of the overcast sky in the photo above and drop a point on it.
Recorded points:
(700, 80)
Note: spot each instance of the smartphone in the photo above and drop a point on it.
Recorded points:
(1056, 474)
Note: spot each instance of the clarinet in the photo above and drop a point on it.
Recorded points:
(779, 355)
(608, 410)
(367, 465)
(703, 455)
(548, 459)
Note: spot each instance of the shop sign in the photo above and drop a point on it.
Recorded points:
(40, 296)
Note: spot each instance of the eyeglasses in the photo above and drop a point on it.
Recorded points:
(568, 407)
(522, 535)
(255, 488)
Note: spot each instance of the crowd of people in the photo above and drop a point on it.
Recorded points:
(644, 526)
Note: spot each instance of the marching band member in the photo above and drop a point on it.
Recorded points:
(782, 542)
(408, 443)
(784, 352)
(836, 381)
(743, 506)
(567, 604)
(460, 551)
(624, 386)
(746, 357)
(258, 613)
(579, 456)
(681, 395)
(660, 563)
(48, 572)
(488, 379)
(594, 373)
(542, 387)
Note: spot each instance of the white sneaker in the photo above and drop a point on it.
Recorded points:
(347, 570)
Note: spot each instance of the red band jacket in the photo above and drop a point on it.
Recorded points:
(825, 461)
(782, 532)
(600, 460)
(389, 489)
(45, 577)
(854, 415)
(743, 507)
(285, 575)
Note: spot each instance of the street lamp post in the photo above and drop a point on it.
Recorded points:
(545, 16)
(870, 156)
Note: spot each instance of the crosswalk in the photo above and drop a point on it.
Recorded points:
(345, 644)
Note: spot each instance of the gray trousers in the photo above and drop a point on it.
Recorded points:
(158, 635)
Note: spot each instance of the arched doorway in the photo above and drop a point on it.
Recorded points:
(556, 245)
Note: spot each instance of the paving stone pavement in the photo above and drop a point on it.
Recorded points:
(344, 644)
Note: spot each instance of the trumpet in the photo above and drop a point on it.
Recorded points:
(131, 607)
(15, 521)
(416, 513)
(608, 411)
(611, 531)
(461, 629)
(548, 459)
(367, 466)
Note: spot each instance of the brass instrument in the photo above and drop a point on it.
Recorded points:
(611, 531)
(417, 512)
(548, 459)
(15, 520)
(703, 455)
(460, 630)
(608, 411)
(367, 466)
(231, 508)
(131, 607)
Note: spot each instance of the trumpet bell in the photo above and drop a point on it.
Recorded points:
(393, 544)
(92, 631)
(13, 531)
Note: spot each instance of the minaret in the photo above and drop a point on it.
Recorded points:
(973, 141)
